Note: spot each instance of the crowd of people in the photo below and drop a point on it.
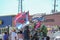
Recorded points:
(13, 35)
(26, 34)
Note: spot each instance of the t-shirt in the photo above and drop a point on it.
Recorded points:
(14, 36)
(5, 37)
(26, 34)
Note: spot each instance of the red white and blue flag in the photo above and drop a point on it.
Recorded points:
(21, 19)
(37, 25)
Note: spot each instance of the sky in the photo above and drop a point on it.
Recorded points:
(10, 7)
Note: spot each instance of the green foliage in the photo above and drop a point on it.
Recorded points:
(44, 30)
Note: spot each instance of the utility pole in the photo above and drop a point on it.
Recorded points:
(54, 5)
(20, 6)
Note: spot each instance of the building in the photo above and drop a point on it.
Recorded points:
(52, 19)
(5, 22)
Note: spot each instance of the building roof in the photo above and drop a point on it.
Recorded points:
(57, 13)
(7, 14)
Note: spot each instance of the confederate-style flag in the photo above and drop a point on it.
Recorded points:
(17, 17)
(21, 18)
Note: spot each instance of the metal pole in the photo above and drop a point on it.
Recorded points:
(19, 6)
(8, 30)
(54, 5)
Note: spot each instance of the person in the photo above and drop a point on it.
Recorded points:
(44, 31)
(14, 35)
(20, 36)
(5, 37)
(26, 33)
(35, 36)
(48, 38)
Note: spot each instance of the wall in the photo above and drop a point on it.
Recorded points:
(51, 20)
(6, 20)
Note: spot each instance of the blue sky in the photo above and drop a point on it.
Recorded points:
(10, 7)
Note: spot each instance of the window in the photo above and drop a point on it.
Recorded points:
(49, 20)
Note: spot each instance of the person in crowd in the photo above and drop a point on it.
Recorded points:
(5, 37)
(35, 36)
(44, 31)
(14, 35)
(26, 33)
(20, 35)
(47, 38)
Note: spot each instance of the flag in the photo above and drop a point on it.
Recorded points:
(21, 20)
(39, 18)
(27, 17)
(17, 17)
(38, 24)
